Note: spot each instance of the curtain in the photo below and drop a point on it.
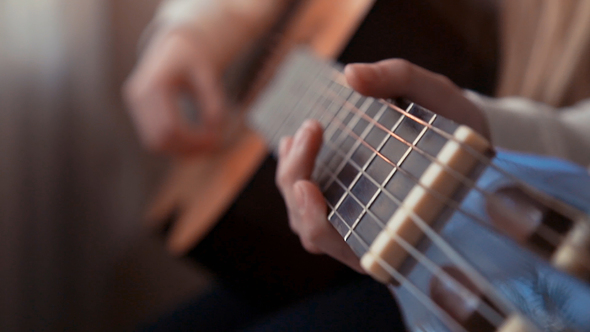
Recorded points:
(73, 180)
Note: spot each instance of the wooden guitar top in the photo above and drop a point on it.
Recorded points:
(200, 189)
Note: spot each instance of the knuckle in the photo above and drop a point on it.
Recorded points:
(403, 70)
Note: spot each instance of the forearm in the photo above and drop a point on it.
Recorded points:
(523, 125)
(226, 27)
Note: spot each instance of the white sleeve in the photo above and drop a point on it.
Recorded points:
(524, 125)
(226, 26)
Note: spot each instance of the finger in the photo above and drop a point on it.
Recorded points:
(208, 90)
(299, 162)
(151, 113)
(153, 91)
(315, 231)
(284, 147)
(399, 78)
(167, 130)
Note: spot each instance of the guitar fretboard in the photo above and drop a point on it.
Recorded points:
(374, 151)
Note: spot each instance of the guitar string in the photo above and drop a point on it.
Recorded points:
(486, 311)
(544, 231)
(489, 313)
(421, 223)
(447, 204)
(314, 79)
(431, 235)
(414, 252)
(355, 234)
(570, 211)
(433, 238)
(340, 79)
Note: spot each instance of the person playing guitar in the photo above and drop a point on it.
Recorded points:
(191, 46)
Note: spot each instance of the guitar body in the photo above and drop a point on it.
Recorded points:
(199, 190)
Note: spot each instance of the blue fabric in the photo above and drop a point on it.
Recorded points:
(561, 179)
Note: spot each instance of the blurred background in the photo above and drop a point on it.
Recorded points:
(74, 181)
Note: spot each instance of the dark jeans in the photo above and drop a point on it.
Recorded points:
(359, 305)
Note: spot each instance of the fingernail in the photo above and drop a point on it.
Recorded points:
(363, 71)
(299, 195)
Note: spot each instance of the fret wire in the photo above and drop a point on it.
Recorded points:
(295, 81)
(330, 114)
(342, 110)
(463, 179)
(413, 289)
(348, 155)
(373, 154)
(442, 198)
(421, 223)
(432, 235)
(483, 284)
(404, 156)
(429, 264)
(361, 173)
(416, 219)
(286, 120)
(460, 177)
(445, 200)
(355, 145)
(567, 210)
(364, 168)
(303, 100)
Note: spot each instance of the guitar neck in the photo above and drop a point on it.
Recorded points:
(374, 151)
(392, 174)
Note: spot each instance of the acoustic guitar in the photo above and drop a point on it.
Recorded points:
(467, 237)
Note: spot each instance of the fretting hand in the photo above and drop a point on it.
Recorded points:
(386, 79)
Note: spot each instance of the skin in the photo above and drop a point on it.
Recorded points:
(190, 60)
(176, 63)
(386, 79)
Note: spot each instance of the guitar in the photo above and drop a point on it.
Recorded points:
(429, 207)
